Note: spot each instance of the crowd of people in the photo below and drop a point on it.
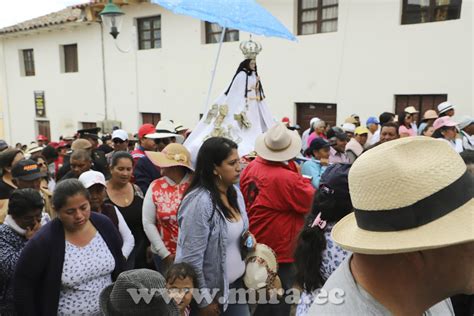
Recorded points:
(379, 214)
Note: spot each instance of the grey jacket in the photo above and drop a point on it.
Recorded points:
(202, 241)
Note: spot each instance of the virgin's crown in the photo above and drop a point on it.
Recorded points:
(250, 49)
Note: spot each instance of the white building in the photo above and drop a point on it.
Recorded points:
(367, 61)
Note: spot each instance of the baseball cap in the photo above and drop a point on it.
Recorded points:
(42, 138)
(91, 177)
(464, 123)
(285, 120)
(27, 170)
(348, 127)
(372, 120)
(318, 143)
(146, 129)
(444, 121)
(3, 145)
(120, 134)
(361, 130)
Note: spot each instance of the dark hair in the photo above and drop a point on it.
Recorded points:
(312, 241)
(36, 158)
(22, 201)
(386, 117)
(120, 155)
(401, 118)
(181, 271)
(7, 157)
(438, 133)
(211, 154)
(426, 128)
(245, 67)
(468, 156)
(391, 124)
(49, 153)
(81, 154)
(66, 189)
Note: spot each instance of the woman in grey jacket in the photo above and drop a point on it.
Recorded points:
(213, 225)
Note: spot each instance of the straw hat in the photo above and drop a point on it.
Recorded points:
(166, 129)
(444, 107)
(409, 194)
(278, 143)
(261, 268)
(410, 110)
(173, 155)
(430, 115)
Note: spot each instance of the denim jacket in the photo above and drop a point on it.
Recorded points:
(202, 241)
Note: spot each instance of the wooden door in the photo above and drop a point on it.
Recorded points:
(44, 129)
(151, 118)
(306, 111)
(421, 102)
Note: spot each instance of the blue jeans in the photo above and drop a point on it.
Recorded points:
(237, 309)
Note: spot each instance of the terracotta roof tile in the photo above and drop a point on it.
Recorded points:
(70, 14)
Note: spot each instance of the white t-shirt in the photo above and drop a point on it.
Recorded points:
(356, 301)
(235, 266)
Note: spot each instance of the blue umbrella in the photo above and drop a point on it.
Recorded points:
(244, 15)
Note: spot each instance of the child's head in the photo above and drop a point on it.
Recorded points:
(180, 282)
(319, 148)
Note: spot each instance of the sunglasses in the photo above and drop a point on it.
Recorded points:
(118, 141)
(164, 141)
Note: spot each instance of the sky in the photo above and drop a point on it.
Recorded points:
(15, 11)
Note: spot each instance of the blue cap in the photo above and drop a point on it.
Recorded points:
(372, 120)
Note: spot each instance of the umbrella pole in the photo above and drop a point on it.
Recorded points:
(214, 71)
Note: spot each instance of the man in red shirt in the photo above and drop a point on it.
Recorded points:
(277, 198)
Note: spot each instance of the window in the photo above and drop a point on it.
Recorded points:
(317, 16)
(69, 62)
(44, 129)
(149, 32)
(423, 11)
(151, 118)
(28, 68)
(214, 31)
(421, 102)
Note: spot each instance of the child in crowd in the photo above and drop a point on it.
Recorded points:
(181, 280)
(319, 153)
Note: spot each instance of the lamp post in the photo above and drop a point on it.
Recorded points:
(112, 17)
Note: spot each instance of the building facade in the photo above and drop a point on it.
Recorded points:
(352, 56)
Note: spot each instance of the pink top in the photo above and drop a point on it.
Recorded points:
(314, 136)
(404, 130)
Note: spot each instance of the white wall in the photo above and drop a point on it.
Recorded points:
(371, 58)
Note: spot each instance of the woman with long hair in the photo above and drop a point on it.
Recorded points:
(65, 266)
(128, 199)
(213, 226)
(406, 125)
(316, 254)
(239, 114)
(8, 159)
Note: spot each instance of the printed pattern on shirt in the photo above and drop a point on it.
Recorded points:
(167, 199)
(86, 272)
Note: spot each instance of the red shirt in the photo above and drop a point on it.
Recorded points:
(277, 199)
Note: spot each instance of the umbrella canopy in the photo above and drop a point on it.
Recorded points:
(244, 15)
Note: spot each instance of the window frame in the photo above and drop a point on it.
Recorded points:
(28, 65)
(319, 12)
(431, 10)
(152, 30)
(71, 58)
(210, 34)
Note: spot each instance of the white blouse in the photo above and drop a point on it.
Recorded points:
(86, 272)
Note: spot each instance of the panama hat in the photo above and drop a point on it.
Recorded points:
(166, 129)
(173, 155)
(410, 110)
(430, 115)
(117, 298)
(261, 267)
(444, 107)
(278, 143)
(408, 195)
